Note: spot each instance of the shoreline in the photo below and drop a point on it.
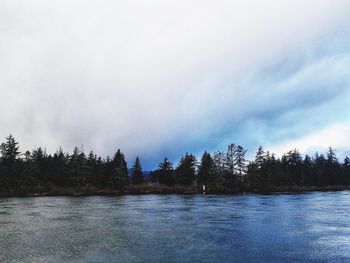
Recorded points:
(163, 190)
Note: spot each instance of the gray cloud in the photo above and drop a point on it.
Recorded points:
(151, 78)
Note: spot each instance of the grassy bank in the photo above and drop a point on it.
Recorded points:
(91, 190)
(155, 189)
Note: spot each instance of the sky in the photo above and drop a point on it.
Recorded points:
(160, 78)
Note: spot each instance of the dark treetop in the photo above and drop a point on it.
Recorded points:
(37, 172)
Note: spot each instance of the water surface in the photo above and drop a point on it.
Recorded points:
(312, 227)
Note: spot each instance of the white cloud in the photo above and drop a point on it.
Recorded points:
(335, 136)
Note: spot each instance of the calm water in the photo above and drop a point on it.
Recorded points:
(313, 227)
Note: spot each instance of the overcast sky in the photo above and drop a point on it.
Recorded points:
(161, 78)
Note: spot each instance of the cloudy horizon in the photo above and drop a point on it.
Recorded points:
(163, 78)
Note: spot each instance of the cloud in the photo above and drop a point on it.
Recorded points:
(335, 136)
(160, 78)
(310, 97)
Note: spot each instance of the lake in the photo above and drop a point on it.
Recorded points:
(311, 227)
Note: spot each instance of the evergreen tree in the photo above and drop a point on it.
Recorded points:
(206, 168)
(109, 174)
(93, 168)
(346, 170)
(308, 173)
(9, 150)
(39, 165)
(320, 169)
(331, 157)
(260, 158)
(185, 172)
(78, 168)
(256, 169)
(165, 173)
(60, 164)
(224, 172)
(231, 162)
(137, 177)
(294, 162)
(276, 170)
(219, 159)
(218, 180)
(240, 160)
(235, 165)
(121, 177)
(332, 172)
(166, 165)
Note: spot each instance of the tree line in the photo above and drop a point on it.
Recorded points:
(223, 171)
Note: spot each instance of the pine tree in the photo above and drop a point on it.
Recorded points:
(308, 178)
(240, 160)
(165, 173)
(346, 170)
(256, 169)
(137, 176)
(260, 158)
(78, 167)
(220, 171)
(121, 176)
(185, 172)
(219, 159)
(166, 165)
(60, 166)
(320, 169)
(231, 162)
(294, 162)
(205, 170)
(9, 150)
(332, 168)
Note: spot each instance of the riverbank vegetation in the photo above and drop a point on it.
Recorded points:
(78, 173)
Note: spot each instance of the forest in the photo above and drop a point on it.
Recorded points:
(39, 173)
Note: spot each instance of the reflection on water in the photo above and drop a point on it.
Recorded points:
(312, 227)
